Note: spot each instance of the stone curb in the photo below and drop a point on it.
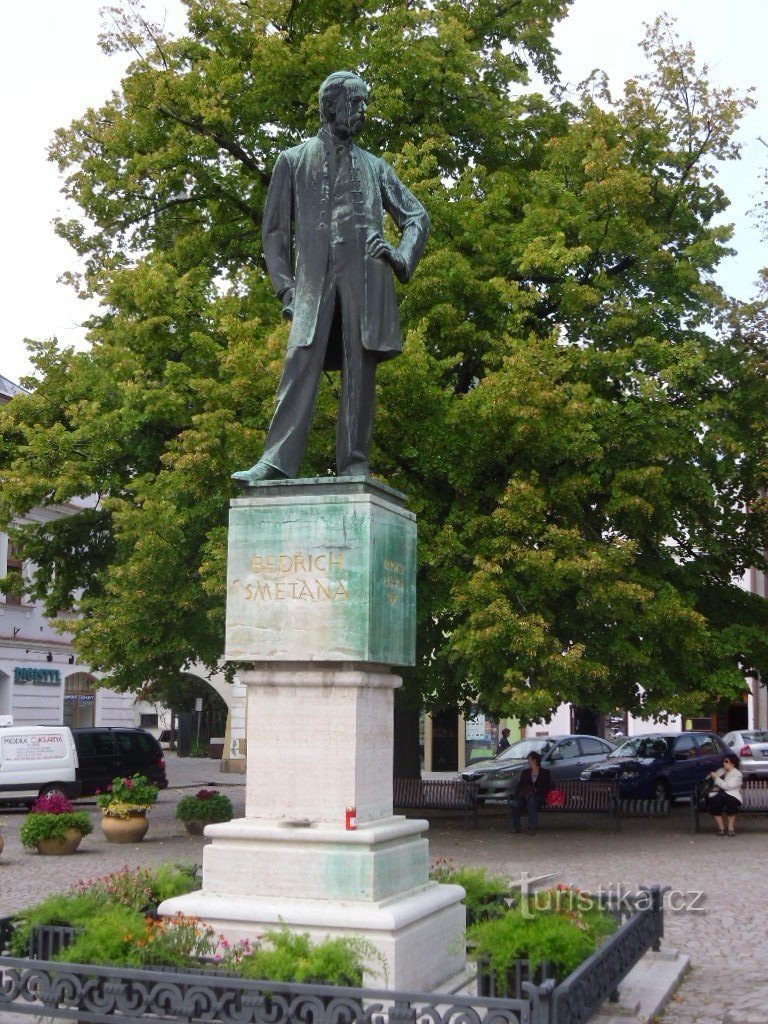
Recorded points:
(646, 989)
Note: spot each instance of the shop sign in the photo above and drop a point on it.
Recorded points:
(475, 727)
(37, 676)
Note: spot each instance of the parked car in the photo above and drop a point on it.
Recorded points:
(35, 760)
(565, 757)
(752, 747)
(106, 753)
(661, 765)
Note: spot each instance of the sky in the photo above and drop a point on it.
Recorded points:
(52, 70)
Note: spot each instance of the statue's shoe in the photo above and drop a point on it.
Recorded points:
(356, 469)
(261, 471)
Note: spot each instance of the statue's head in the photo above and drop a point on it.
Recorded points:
(343, 99)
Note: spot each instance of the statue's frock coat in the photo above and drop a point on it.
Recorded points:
(297, 238)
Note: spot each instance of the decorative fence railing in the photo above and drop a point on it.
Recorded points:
(90, 994)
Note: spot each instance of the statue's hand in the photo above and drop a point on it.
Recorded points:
(287, 301)
(382, 250)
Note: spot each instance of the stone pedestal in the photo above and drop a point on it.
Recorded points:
(321, 601)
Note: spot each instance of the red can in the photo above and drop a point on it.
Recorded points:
(351, 819)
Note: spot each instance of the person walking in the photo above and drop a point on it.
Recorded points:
(535, 782)
(503, 742)
(728, 798)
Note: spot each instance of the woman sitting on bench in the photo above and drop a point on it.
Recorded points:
(535, 782)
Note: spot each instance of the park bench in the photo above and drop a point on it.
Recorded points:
(755, 801)
(436, 794)
(582, 797)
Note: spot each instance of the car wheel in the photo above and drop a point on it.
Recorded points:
(50, 790)
(660, 791)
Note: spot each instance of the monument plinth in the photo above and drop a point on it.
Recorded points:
(320, 603)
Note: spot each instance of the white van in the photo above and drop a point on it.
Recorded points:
(37, 759)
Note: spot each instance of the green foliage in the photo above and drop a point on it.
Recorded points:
(142, 888)
(109, 937)
(294, 957)
(53, 826)
(578, 415)
(562, 926)
(205, 805)
(486, 895)
(127, 796)
(119, 936)
(106, 910)
(71, 909)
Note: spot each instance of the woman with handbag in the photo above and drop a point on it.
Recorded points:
(727, 794)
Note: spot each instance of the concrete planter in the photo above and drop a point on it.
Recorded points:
(125, 830)
(61, 846)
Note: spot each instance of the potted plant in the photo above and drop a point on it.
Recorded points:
(205, 807)
(52, 827)
(124, 808)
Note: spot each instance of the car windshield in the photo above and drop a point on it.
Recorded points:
(520, 750)
(643, 746)
(755, 737)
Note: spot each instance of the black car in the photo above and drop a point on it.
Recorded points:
(106, 753)
(661, 765)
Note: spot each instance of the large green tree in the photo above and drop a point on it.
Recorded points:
(574, 417)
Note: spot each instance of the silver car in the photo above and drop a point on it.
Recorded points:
(752, 747)
(564, 757)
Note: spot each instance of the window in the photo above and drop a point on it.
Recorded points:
(148, 721)
(566, 751)
(708, 747)
(591, 746)
(685, 748)
(14, 564)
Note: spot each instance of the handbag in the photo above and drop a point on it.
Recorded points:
(555, 798)
(703, 793)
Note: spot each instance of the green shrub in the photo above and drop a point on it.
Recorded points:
(52, 826)
(88, 904)
(486, 895)
(561, 926)
(60, 908)
(294, 957)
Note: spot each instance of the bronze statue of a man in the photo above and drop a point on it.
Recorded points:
(333, 271)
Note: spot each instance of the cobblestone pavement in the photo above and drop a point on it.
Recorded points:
(716, 910)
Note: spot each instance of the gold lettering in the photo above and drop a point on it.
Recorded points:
(317, 562)
(263, 591)
(298, 561)
(305, 591)
(336, 560)
(248, 592)
(280, 594)
(341, 590)
(321, 589)
(285, 562)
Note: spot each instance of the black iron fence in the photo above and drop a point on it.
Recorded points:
(90, 994)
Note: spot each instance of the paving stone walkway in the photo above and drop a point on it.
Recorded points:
(717, 908)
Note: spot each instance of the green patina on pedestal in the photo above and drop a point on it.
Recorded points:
(321, 570)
